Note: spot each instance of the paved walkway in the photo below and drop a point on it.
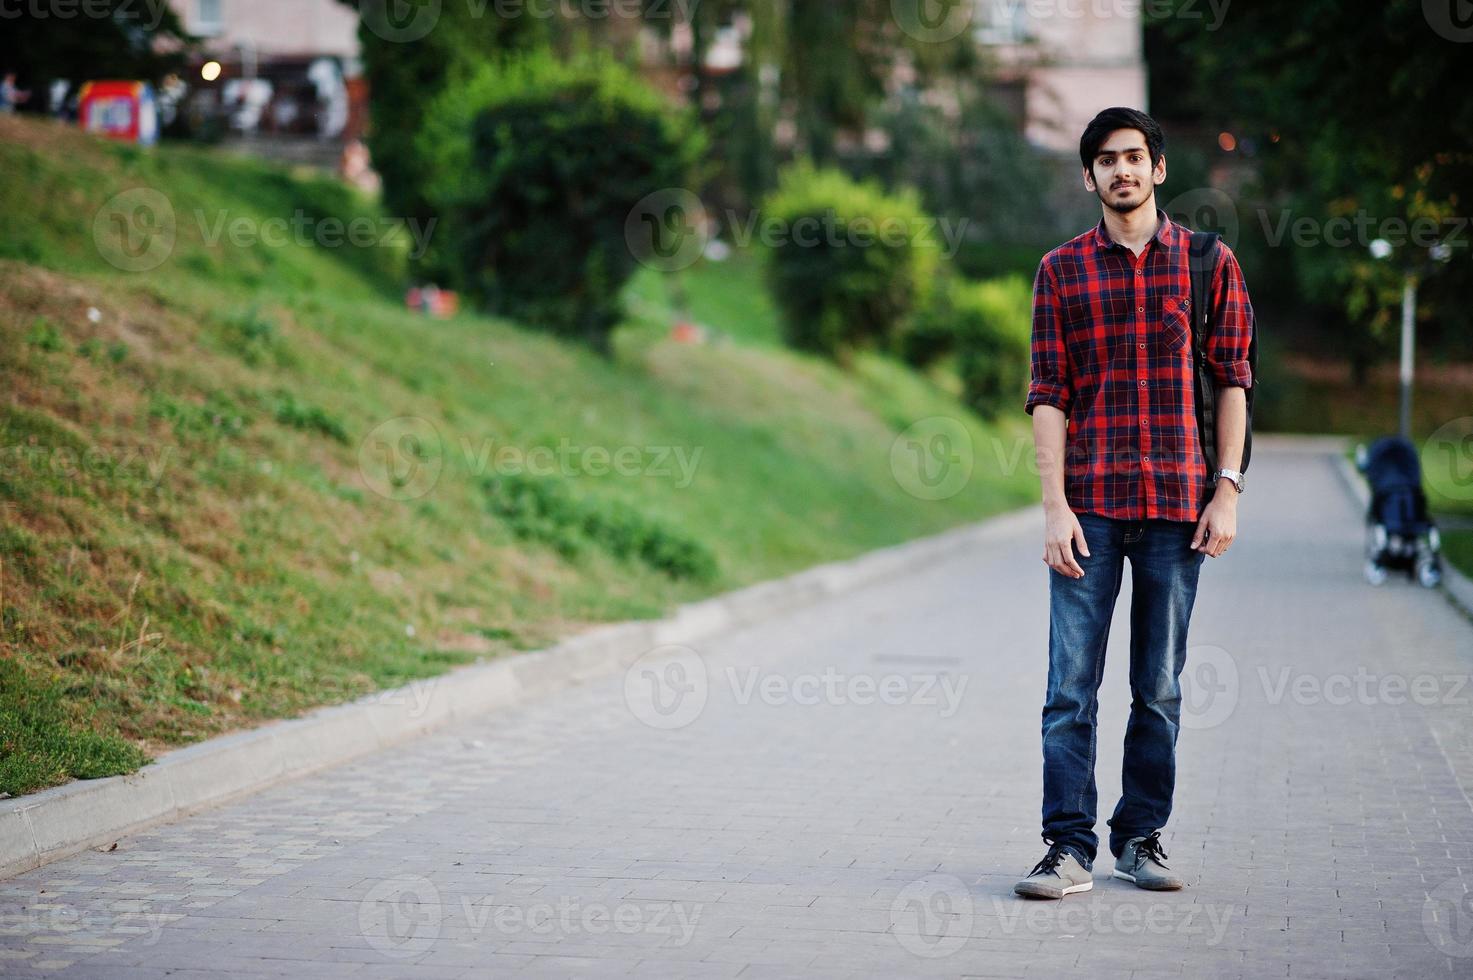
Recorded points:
(851, 791)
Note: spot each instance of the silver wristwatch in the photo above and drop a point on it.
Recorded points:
(1233, 475)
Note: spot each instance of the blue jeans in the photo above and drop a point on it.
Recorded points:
(1163, 571)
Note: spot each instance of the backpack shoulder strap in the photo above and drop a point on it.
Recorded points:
(1202, 253)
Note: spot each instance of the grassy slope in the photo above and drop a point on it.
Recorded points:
(190, 544)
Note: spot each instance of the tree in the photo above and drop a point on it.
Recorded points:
(120, 39)
(1357, 113)
(406, 70)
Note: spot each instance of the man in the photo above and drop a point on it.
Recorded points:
(1124, 477)
(10, 95)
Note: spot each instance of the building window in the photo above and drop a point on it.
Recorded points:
(208, 19)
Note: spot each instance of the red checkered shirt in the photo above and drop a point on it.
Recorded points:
(1112, 349)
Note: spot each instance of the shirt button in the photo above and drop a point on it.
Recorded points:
(1144, 422)
(1141, 346)
(1143, 384)
(1140, 309)
(1140, 272)
(1145, 459)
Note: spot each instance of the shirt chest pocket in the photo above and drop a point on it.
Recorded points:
(1176, 323)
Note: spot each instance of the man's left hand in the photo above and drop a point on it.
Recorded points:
(1219, 523)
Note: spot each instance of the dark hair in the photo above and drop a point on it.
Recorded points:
(1119, 117)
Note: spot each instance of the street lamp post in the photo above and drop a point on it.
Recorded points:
(1439, 253)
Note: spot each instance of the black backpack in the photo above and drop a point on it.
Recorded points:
(1202, 253)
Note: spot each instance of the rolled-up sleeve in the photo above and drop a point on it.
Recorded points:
(1050, 383)
(1232, 325)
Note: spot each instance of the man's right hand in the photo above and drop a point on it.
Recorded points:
(1061, 531)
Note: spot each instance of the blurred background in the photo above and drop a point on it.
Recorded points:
(297, 292)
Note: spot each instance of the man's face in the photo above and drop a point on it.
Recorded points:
(1122, 175)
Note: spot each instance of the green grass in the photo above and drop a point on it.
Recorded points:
(256, 484)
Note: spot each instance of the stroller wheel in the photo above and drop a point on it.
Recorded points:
(1429, 574)
(1375, 574)
(1375, 541)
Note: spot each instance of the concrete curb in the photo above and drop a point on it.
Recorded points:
(45, 826)
(1455, 585)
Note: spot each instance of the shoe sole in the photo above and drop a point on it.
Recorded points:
(1168, 887)
(1027, 892)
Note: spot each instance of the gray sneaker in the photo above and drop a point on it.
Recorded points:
(1057, 875)
(1144, 862)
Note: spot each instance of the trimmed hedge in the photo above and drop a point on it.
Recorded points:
(847, 262)
(994, 334)
(537, 166)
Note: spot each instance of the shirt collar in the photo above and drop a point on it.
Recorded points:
(1165, 232)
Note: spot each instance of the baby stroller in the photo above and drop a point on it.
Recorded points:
(1399, 532)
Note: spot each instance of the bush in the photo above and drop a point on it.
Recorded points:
(537, 166)
(849, 263)
(992, 322)
(403, 75)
